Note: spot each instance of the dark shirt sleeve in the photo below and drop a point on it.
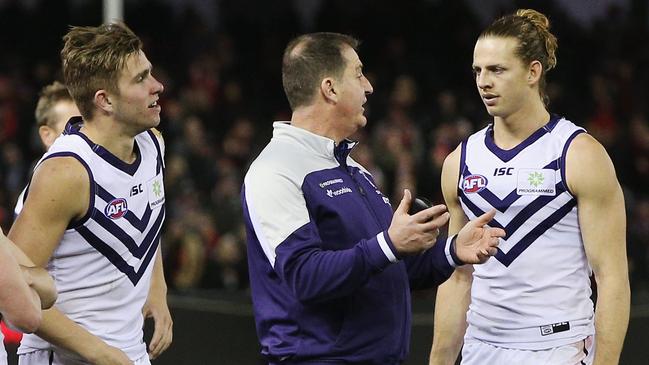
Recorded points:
(432, 267)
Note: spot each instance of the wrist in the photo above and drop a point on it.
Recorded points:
(387, 246)
(451, 253)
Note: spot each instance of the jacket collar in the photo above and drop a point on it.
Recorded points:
(315, 143)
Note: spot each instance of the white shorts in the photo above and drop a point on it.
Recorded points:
(477, 352)
(48, 357)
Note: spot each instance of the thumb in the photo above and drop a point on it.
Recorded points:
(404, 204)
(485, 218)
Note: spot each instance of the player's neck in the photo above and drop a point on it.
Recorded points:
(515, 128)
(113, 139)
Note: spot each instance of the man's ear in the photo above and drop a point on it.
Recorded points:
(535, 72)
(328, 90)
(47, 135)
(102, 100)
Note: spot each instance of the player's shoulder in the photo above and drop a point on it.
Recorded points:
(65, 169)
(452, 160)
(585, 148)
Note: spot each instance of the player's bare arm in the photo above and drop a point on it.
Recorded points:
(40, 281)
(20, 305)
(453, 296)
(603, 226)
(156, 308)
(58, 194)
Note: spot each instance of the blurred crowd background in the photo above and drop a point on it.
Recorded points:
(220, 62)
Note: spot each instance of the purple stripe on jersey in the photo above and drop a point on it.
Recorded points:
(508, 155)
(554, 165)
(91, 203)
(139, 224)
(73, 127)
(160, 162)
(554, 120)
(135, 249)
(478, 212)
(507, 258)
(562, 159)
(530, 209)
(116, 259)
(494, 201)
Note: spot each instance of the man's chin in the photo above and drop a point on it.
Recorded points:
(362, 121)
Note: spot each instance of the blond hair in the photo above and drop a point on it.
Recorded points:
(50, 95)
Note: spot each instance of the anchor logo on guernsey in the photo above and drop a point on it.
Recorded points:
(474, 183)
(116, 208)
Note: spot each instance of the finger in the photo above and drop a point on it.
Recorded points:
(166, 343)
(404, 205)
(435, 224)
(430, 213)
(442, 219)
(485, 218)
(494, 242)
(497, 232)
(481, 258)
(157, 335)
(492, 251)
(162, 345)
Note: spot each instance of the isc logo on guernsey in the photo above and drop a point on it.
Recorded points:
(116, 208)
(474, 183)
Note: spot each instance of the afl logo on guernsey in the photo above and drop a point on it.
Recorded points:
(116, 208)
(474, 183)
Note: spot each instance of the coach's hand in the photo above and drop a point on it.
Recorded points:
(414, 234)
(157, 309)
(476, 242)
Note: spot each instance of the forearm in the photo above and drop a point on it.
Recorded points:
(43, 285)
(158, 283)
(21, 306)
(316, 275)
(451, 305)
(431, 268)
(61, 331)
(611, 318)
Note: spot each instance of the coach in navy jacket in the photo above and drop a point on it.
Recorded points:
(331, 267)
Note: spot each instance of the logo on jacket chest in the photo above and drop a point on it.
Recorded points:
(338, 192)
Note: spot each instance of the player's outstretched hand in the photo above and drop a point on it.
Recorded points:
(476, 241)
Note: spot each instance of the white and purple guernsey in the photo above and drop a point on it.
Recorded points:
(103, 264)
(326, 284)
(535, 293)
